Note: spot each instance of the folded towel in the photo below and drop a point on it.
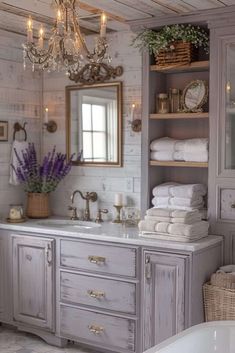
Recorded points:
(180, 190)
(196, 145)
(163, 144)
(162, 156)
(194, 218)
(157, 236)
(165, 212)
(178, 201)
(178, 156)
(200, 156)
(179, 145)
(175, 229)
(19, 146)
(199, 228)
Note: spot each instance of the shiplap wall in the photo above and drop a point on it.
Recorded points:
(20, 99)
(105, 181)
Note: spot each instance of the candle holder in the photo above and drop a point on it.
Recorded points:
(118, 217)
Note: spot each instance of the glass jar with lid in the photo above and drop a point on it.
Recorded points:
(163, 103)
(16, 212)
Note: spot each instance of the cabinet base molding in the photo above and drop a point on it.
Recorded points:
(48, 337)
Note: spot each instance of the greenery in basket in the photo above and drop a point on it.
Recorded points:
(155, 41)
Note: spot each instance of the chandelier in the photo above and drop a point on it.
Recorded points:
(66, 49)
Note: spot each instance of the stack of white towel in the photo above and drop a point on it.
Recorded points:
(179, 196)
(177, 225)
(168, 149)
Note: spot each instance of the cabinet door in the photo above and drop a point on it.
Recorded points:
(33, 280)
(164, 297)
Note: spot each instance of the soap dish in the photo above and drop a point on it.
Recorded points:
(20, 220)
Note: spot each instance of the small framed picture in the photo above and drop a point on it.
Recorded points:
(3, 131)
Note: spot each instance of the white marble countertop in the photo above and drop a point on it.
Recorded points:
(108, 231)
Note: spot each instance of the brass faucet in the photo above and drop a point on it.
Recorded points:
(89, 196)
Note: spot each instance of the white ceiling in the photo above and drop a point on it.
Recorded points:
(119, 12)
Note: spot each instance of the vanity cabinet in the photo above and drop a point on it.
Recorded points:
(163, 296)
(33, 267)
(2, 297)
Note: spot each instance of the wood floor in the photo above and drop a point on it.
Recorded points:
(12, 341)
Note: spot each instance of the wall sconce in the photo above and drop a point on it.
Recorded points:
(50, 125)
(136, 124)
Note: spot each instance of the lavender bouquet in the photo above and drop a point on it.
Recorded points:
(43, 178)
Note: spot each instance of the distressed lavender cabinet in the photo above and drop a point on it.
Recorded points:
(163, 297)
(222, 129)
(33, 265)
(2, 299)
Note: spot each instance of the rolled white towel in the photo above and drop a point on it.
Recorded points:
(180, 190)
(178, 201)
(178, 156)
(179, 145)
(199, 228)
(196, 145)
(162, 156)
(163, 144)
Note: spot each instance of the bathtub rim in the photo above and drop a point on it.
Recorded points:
(173, 339)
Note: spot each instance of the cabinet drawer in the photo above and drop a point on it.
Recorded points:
(98, 258)
(108, 331)
(98, 292)
(227, 204)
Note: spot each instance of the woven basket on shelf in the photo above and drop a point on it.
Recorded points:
(219, 303)
(179, 53)
(38, 205)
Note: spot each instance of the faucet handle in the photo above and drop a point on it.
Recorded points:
(74, 215)
(99, 215)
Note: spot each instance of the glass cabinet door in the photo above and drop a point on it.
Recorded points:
(229, 160)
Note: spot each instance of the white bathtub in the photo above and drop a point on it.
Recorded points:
(211, 337)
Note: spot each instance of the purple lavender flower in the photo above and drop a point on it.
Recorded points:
(42, 178)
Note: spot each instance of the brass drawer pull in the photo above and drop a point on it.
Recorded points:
(233, 205)
(97, 330)
(96, 259)
(95, 294)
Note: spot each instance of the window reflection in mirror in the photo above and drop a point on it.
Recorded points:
(94, 123)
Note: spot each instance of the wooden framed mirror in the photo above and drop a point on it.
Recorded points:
(94, 124)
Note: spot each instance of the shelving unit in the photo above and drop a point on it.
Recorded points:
(175, 125)
(196, 66)
(201, 115)
(178, 164)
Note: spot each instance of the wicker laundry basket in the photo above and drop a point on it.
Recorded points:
(219, 303)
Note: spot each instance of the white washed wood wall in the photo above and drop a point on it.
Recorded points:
(20, 94)
(105, 181)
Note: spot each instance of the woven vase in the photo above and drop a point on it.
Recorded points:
(38, 205)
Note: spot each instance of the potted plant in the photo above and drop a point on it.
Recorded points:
(173, 44)
(39, 180)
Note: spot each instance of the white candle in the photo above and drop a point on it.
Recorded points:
(46, 115)
(103, 25)
(132, 111)
(118, 199)
(40, 40)
(30, 30)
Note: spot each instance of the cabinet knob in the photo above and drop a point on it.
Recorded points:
(96, 259)
(233, 205)
(96, 294)
(48, 254)
(97, 330)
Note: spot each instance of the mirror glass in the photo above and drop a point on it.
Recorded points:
(229, 102)
(94, 123)
(195, 95)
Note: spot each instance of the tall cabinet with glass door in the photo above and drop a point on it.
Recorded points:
(222, 136)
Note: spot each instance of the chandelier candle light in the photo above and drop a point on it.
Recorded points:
(67, 49)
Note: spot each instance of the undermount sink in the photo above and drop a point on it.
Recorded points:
(68, 223)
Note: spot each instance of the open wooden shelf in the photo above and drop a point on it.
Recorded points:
(179, 164)
(202, 115)
(195, 66)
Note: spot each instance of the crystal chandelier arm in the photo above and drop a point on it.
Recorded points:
(79, 34)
